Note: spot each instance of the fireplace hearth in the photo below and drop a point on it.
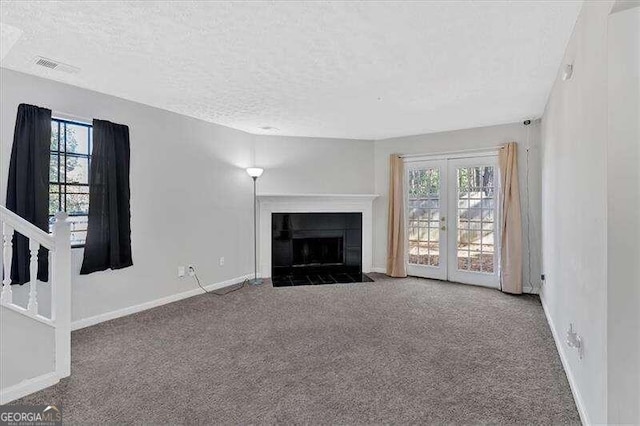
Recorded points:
(316, 248)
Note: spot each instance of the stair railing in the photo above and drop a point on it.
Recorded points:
(59, 245)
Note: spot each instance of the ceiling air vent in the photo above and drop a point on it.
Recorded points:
(55, 65)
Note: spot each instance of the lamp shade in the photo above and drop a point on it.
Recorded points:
(255, 172)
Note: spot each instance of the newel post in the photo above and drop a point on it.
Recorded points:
(61, 293)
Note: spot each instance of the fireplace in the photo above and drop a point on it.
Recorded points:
(316, 248)
(288, 204)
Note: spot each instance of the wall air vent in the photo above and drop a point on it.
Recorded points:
(55, 65)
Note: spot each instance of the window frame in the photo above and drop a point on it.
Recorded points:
(61, 181)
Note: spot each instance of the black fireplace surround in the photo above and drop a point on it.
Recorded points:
(316, 248)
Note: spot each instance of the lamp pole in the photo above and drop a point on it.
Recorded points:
(255, 281)
(255, 173)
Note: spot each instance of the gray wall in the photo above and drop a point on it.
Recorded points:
(482, 137)
(24, 357)
(574, 204)
(315, 165)
(623, 219)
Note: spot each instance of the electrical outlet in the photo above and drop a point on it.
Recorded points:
(181, 271)
(574, 340)
(192, 270)
(221, 261)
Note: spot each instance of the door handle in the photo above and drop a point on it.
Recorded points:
(444, 228)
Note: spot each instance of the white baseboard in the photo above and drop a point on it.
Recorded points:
(379, 270)
(565, 364)
(86, 322)
(28, 386)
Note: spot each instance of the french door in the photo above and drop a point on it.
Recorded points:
(451, 216)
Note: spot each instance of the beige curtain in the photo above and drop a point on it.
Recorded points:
(511, 220)
(395, 246)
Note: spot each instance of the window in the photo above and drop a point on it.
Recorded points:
(71, 145)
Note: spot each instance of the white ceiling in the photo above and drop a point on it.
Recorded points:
(328, 69)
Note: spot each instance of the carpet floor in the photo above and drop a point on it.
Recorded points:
(391, 351)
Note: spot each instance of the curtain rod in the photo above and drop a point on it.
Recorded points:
(464, 151)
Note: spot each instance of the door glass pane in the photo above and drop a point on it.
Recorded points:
(424, 214)
(475, 218)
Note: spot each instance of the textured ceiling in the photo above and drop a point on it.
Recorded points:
(327, 69)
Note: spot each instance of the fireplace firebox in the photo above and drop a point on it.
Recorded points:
(318, 251)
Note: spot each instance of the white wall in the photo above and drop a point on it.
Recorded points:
(574, 237)
(315, 165)
(623, 218)
(35, 353)
(191, 200)
(482, 137)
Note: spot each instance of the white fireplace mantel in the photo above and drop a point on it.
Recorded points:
(314, 203)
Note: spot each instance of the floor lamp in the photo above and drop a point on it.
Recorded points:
(255, 173)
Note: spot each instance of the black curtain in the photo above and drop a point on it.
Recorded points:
(108, 243)
(28, 186)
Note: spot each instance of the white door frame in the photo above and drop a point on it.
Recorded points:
(447, 162)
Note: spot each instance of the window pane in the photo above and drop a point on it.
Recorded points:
(413, 252)
(78, 238)
(54, 203)
(77, 203)
(78, 229)
(54, 199)
(78, 223)
(487, 262)
(81, 224)
(77, 189)
(77, 169)
(487, 203)
(475, 261)
(474, 225)
(463, 260)
(77, 139)
(474, 214)
(54, 136)
(53, 168)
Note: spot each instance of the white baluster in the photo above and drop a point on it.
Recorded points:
(7, 255)
(32, 306)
